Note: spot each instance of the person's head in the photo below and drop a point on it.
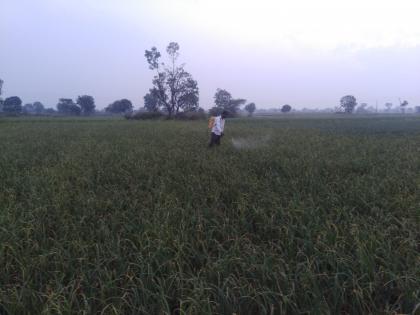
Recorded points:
(224, 114)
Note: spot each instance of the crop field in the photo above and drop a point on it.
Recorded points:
(287, 216)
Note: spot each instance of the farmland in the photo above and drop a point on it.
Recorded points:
(287, 216)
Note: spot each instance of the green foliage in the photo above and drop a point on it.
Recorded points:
(119, 107)
(38, 107)
(174, 89)
(215, 111)
(151, 101)
(28, 108)
(34, 108)
(87, 104)
(144, 115)
(192, 115)
(66, 106)
(224, 101)
(106, 216)
(12, 105)
(250, 108)
(286, 108)
(348, 103)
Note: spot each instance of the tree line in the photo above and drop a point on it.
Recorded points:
(174, 91)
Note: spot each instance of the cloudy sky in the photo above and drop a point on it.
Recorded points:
(307, 53)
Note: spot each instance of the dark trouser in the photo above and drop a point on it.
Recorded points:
(214, 139)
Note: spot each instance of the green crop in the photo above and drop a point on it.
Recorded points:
(287, 216)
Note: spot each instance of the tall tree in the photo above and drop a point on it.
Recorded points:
(250, 108)
(174, 89)
(348, 103)
(66, 106)
(87, 104)
(12, 105)
(224, 101)
(1, 86)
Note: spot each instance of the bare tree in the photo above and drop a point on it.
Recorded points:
(1, 85)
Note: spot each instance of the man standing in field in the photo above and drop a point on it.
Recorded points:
(217, 125)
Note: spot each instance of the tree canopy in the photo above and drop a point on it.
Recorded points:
(224, 101)
(66, 106)
(174, 89)
(87, 104)
(286, 108)
(120, 106)
(348, 103)
(12, 105)
(38, 107)
(250, 108)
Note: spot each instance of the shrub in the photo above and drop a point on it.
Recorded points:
(191, 115)
(144, 115)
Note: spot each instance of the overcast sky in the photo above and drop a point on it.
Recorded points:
(307, 53)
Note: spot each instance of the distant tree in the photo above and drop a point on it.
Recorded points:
(87, 104)
(362, 108)
(28, 108)
(215, 111)
(417, 109)
(174, 89)
(224, 101)
(66, 106)
(1, 100)
(403, 106)
(38, 108)
(12, 105)
(250, 108)
(348, 103)
(286, 108)
(388, 106)
(49, 111)
(33, 108)
(371, 109)
(119, 107)
(151, 100)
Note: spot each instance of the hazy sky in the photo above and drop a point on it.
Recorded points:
(307, 53)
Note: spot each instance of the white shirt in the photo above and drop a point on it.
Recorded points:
(218, 126)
